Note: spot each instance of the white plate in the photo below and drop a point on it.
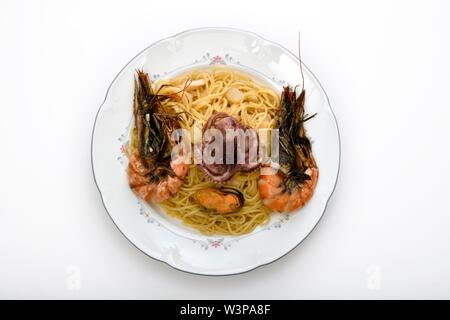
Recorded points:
(165, 239)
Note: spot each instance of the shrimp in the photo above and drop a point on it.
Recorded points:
(153, 174)
(291, 185)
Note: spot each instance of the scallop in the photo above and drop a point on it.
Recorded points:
(234, 95)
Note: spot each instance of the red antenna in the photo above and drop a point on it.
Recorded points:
(300, 59)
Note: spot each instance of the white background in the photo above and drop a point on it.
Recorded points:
(385, 66)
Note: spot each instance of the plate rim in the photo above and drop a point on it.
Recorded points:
(199, 29)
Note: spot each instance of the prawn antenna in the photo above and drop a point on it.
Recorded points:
(300, 59)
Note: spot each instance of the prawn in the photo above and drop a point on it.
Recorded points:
(153, 174)
(291, 185)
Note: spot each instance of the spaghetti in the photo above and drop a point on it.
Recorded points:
(208, 93)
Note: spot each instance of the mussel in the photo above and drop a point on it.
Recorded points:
(221, 200)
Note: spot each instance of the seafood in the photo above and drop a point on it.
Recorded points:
(223, 200)
(222, 172)
(152, 174)
(292, 185)
(234, 95)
